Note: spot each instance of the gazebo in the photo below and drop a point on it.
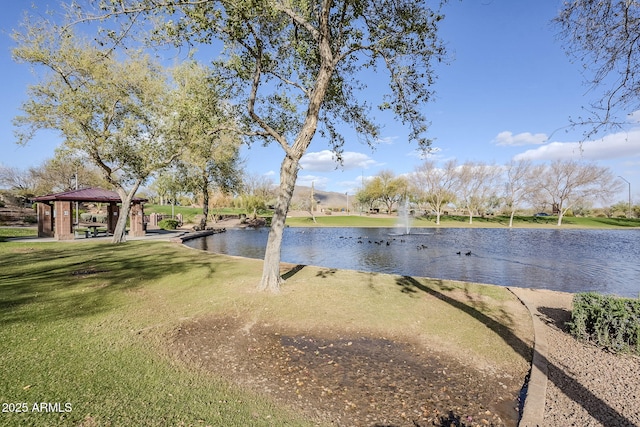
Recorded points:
(55, 212)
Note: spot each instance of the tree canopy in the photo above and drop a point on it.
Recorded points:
(111, 109)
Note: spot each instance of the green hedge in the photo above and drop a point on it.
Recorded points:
(169, 224)
(608, 321)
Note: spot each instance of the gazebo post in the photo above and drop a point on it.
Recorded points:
(63, 220)
(45, 220)
(113, 210)
(136, 218)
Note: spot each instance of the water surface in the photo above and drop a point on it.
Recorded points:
(605, 261)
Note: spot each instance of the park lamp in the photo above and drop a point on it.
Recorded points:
(629, 194)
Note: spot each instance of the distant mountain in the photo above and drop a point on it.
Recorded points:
(325, 199)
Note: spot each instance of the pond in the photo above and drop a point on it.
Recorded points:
(604, 261)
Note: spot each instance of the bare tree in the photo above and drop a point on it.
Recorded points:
(568, 183)
(309, 203)
(257, 192)
(604, 36)
(518, 185)
(476, 184)
(436, 186)
(21, 182)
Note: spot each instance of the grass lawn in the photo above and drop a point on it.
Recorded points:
(85, 327)
(189, 213)
(462, 221)
(6, 232)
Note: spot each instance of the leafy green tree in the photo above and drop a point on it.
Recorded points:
(295, 65)
(390, 188)
(205, 125)
(169, 186)
(622, 207)
(112, 110)
(368, 195)
(257, 192)
(66, 171)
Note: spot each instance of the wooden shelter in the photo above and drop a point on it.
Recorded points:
(55, 212)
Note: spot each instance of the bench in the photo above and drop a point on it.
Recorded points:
(93, 231)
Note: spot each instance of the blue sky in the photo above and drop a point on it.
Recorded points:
(508, 92)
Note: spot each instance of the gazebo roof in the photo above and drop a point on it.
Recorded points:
(96, 195)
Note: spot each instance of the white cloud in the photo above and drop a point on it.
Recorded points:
(507, 138)
(325, 161)
(387, 140)
(270, 173)
(431, 153)
(614, 146)
(319, 182)
(634, 117)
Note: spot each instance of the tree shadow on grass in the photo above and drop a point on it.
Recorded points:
(596, 407)
(328, 272)
(292, 272)
(71, 280)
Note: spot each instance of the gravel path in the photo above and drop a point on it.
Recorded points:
(586, 386)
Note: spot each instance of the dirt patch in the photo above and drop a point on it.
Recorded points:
(349, 380)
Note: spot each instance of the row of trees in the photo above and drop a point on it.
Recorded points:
(479, 187)
(214, 183)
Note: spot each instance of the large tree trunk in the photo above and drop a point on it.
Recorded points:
(205, 199)
(271, 279)
(119, 234)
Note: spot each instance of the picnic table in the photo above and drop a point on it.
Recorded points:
(93, 230)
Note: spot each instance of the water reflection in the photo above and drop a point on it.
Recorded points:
(605, 261)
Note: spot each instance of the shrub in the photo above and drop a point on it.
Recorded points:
(102, 218)
(2, 205)
(30, 219)
(86, 217)
(168, 224)
(607, 321)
